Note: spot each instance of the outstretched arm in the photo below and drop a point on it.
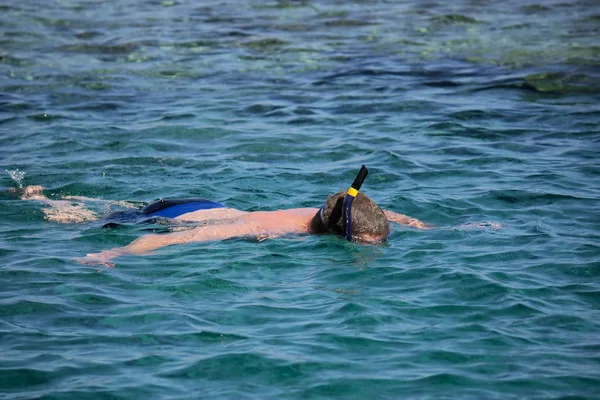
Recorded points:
(405, 220)
(148, 243)
(68, 209)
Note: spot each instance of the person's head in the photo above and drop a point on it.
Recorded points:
(369, 223)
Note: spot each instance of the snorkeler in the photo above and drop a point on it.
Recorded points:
(350, 214)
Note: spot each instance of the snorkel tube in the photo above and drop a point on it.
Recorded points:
(350, 196)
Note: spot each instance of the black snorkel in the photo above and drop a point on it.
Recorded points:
(350, 196)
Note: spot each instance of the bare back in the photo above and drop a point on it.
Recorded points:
(295, 220)
(211, 214)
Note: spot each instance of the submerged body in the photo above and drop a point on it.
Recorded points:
(218, 222)
(259, 224)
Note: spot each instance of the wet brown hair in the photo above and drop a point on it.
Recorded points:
(368, 220)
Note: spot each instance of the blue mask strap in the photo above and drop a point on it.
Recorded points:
(348, 200)
(350, 196)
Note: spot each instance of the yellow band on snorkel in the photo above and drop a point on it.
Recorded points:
(352, 192)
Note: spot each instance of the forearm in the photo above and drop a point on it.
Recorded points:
(139, 246)
(405, 220)
(143, 245)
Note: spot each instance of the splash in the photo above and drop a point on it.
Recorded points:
(16, 176)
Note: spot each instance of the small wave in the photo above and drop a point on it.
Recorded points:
(103, 48)
(267, 44)
(452, 19)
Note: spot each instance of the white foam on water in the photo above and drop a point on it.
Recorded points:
(16, 176)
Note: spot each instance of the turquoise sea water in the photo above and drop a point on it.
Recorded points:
(468, 113)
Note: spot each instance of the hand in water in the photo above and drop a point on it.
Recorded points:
(420, 225)
(33, 192)
(471, 226)
(103, 258)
